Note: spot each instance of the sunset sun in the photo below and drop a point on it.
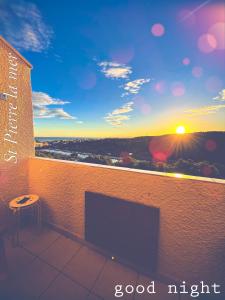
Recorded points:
(180, 130)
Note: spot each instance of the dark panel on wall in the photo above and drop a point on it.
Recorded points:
(125, 229)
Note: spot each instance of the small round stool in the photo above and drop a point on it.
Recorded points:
(21, 203)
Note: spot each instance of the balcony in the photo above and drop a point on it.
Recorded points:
(191, 235)
(60, 262)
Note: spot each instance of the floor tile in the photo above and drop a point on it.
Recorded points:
(17, 258)
(10, 291)
(35, 279)
(114, 274)
(27, 233)
(186, 297)
(203, 297)
(85, 267)
(37, 243)
(64, 288)
(160, 289)
(60, 252)
(93, 297)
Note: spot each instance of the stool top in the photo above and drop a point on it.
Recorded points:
(15, 203)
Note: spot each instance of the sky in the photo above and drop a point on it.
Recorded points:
(121, 68)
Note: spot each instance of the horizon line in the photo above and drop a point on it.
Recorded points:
(126, 137)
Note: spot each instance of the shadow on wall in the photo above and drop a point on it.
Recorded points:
(126, 229)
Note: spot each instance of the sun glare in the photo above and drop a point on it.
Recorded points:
(180, 130)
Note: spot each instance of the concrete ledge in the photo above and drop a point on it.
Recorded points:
(172, 175)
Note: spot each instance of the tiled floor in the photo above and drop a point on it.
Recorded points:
(50, 266)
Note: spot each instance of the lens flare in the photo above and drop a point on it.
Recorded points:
(142, 104)
(197, 72)
(163, 148)
(210, 145)
(207, 170)
(145, 109)
(158, 30)
(160, 87)
(178, 89)
(218, 31)
(207, 43)
(160, 148)
(186, 61)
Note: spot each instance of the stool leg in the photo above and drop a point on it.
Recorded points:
(15, 230)
(40, 210)
(18, 231)
(39, 216)
(16, 235)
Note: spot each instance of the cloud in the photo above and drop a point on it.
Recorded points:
(23, 26)
(46, 113)
(204, 110)
(221, 96)
(116, 120)
(40, 98)
(207, 110)
(41, 101)
(115, 70)
(118, 116)
(127, 107)
(133, 87)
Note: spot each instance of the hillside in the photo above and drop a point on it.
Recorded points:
(199, 146)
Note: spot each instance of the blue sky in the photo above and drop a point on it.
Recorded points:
(121, 68)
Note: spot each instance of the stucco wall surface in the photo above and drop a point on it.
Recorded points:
(192, 222)
(16, 122)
